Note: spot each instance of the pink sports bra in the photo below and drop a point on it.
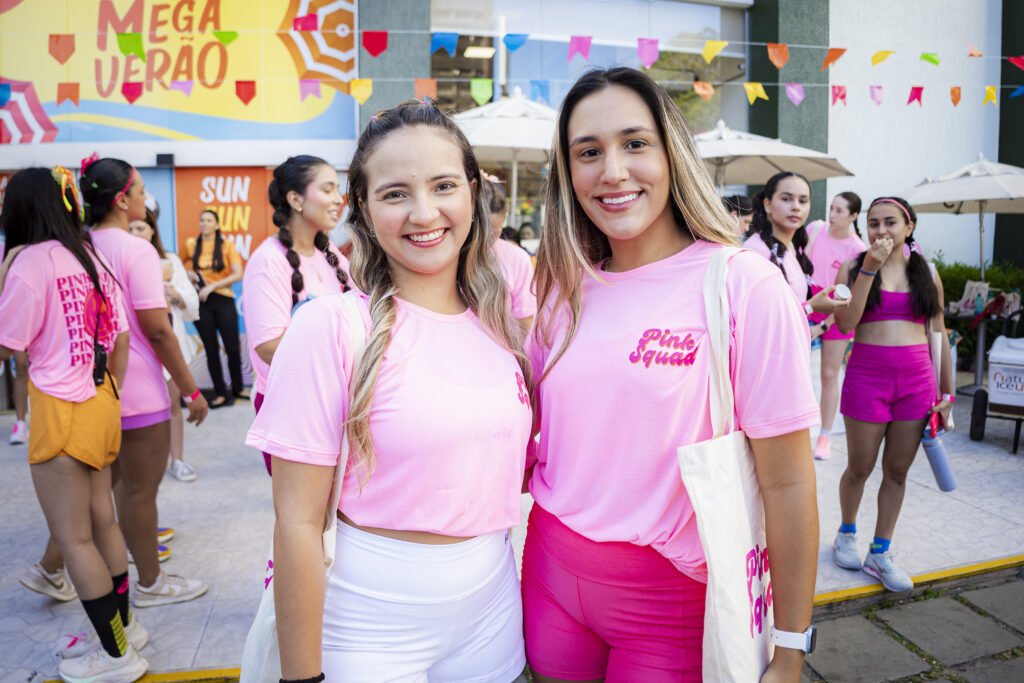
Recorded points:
(892, 306)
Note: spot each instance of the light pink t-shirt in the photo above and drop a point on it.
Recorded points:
(450, 418)
(633, 387)
(137, 267)
(267, 295)
(795, 275)
(518, 269)
(50, 308)
(828, 254)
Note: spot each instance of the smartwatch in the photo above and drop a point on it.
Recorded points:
(795, 641)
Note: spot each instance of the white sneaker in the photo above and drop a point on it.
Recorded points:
(167, 589)
(883, 567)
(20, 433)
(56, 585)
(99, 667)
(844, 551)
(82, 644)
(182, 471)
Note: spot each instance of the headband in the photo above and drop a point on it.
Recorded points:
(893, 201)
(131, 177)
(66, 179)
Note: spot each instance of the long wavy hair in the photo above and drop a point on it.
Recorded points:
(217, 260)
(570, 243)
(479, 277)
(762, 226)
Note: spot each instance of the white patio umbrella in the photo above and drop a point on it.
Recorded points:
(512, 129)
(737, 158)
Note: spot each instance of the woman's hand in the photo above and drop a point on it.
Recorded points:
(823, 303)
(784, 669)
(205, 292)
(877, 254)
(943, 408)
(173, 296)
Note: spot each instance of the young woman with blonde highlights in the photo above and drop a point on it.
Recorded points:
(437, 412)
(613, 572)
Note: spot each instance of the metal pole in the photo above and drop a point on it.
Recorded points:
(981, 236)
(513, 198)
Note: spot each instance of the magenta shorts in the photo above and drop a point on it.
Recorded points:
(888, 383)
(147, 420)
(607, 610)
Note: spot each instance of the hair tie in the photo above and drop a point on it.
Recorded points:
(888, 200)
(89, 161)
(425, 100)
(374, 117)
(775, 250)
(66, 179)
(490, 178)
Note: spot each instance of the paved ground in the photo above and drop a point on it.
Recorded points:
(223, 522)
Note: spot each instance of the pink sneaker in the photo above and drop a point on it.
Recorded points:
(823, 449)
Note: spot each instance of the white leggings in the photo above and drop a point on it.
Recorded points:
(411, 612)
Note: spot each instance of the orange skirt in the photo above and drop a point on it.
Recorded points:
(89, 432)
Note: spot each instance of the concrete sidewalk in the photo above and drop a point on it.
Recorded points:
(223, 523)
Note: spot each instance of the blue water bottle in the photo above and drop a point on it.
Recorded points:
(936, 452)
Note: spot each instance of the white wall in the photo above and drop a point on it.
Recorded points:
(893, 147)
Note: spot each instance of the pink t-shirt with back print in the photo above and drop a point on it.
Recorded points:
(518, 269)
(50, 308)
(267, 295)
(633, 387)
(137, 267)
(450, 418)
(795, 275)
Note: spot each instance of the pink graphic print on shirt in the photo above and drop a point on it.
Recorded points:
(87, 314)
(671, 349)
(524, 395)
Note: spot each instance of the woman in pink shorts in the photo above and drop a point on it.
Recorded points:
(614, 572)
(890, 389)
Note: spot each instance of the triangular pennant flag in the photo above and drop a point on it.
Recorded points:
(1016, 61)
(755, 91)
(183, 86)
(838, 94)
(954, 94)
(62, 46)
(5, 94)
(972, 51)
(131, 44)
(930, 57)
(361, 89)
(704, 89)
(425, 87)
(482, 89)
(131, 91)
(915, 94)
(514, 41)
(540, 91)
(647, 51)
(1018, 92)
(880, 57)
(990, 95)
(245, 90)
(375, 42)
(309, 87)
(834, 53)
(67, 91)
(795, 93)
(712, 48)
(225, 37)
(305, 23)
(778, 53)
(579, 45)
(448, 41)
(876, 94)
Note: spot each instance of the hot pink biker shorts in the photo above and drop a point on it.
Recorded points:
(609, 610)
(888, 383)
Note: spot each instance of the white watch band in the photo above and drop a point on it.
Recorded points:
(792, 640)
(808, 309)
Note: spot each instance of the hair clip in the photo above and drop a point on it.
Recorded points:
(66, 179)
(491, 178)
(425, 100)
(89, 160)
(374, 117)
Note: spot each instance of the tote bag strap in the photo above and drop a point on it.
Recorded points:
(716, 310)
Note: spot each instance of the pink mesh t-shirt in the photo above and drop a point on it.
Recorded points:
(450, 418)
(518, 269)
(267, 295)
(828, 254)
(50, 308)
(633, 387)
(795, 275)
(137, 267)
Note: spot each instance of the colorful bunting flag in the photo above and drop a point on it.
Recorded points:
(880, 57)
(309, 87)
(1018, 92)
(482, 89)
(990, 95)
(183, 86)
(647, 51)
(514, 41)
(448, 41)
(712, 48)
(5, 94)
(67, 91)
(540, 91)
(755, 91)
(838, 94)
(225, 37)
(930, 57)
(62, 46)
(834, 53)
(778, 53)
(795, 93)
(954, 94)
(1016, 61)
(972, 51)
(245, 90)
(876, 94)
(305, 23)
(361, 89)
(375, 42)
(704, 89)
(131, 44)
(131, 90)
(579, 45)
(915, 94)
(426, 87)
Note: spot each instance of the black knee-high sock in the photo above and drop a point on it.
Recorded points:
(103, 614)
(121, 591)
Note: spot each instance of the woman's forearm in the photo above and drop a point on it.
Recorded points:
(299, 598)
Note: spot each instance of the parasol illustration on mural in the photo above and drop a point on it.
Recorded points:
(329, 52)
(22, 119)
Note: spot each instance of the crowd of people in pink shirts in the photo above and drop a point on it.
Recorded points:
(468, 376)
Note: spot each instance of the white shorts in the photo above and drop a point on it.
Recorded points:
(411, 612)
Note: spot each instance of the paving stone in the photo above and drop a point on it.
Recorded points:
(994, 671)
(949, 631)
(1005, 602)
(842, 644)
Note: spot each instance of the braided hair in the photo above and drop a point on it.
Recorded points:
(295, 175)
(763, 227)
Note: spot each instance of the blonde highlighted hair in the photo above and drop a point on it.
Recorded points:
(479, 277)
(571, 245)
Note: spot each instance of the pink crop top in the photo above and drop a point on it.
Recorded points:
(892, 306)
